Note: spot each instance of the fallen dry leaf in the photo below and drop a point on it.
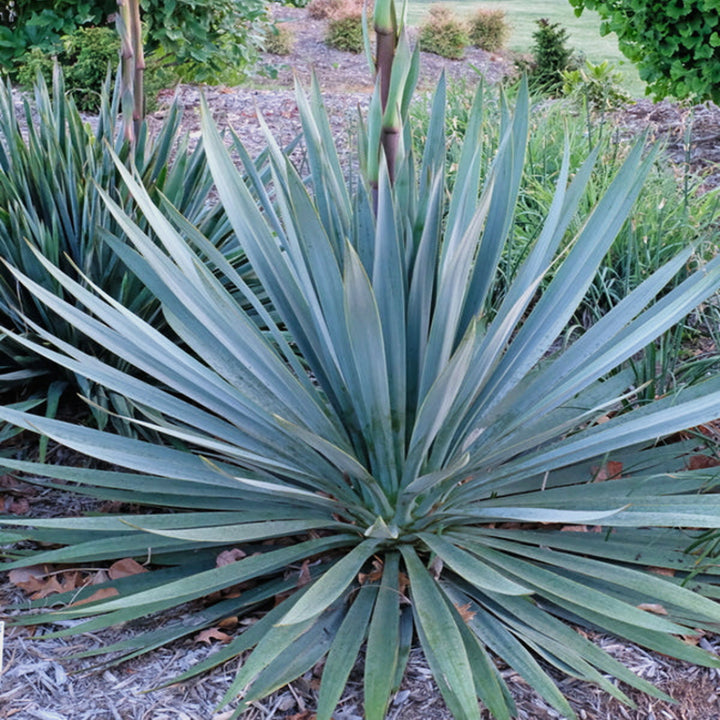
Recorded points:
(574, 528)
(695, 638)
(304, 576)
(465, 613)
(71, 581)
(125, 568)
(227, 557)
(700, 462)
(403, 582)
(374, 576)
(609, 471)
(51, 586)
(229, 622)
(207, 636)
(20, 506)
(102, 594)
(30, 579)
(436, 567)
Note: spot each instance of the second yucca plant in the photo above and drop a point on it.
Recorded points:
(436, 471)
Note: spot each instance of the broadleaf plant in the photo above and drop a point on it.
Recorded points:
(437, 472)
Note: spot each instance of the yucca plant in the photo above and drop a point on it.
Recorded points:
(435, 475)
(51, 164)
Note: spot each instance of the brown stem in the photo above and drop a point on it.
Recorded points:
(139, 69)
(386, 42)
(390, 139)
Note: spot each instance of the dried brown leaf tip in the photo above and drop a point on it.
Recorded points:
(668, 572)
(611, 470)
(211, 634)
(653, 608)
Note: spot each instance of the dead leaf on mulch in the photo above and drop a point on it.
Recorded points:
(125, 568)
(465, 613)
(609, 471)
(30, 579)
(227, 557)
(700, 462)
(102, 594)
(304, 576)
(14, 506)
(207, 636)
(374, 576)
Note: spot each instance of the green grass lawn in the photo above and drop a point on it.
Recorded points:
(584, 31)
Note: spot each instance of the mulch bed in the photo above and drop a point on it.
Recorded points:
(39, 681)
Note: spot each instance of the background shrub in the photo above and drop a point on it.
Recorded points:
(209, 41)
(42, 24)
(87, 55)
(667, 217)
(345, 33)
(675, 45)
(329, 9)
(322, 9)
(279, 39)
(443, 33)
(488, 29)
(597, 85)
(551, 57)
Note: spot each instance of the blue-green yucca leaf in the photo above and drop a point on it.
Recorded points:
(562, 590)
(489, 684)
(383, 645)
(331, 585)
(208, 581)
(644, 584)
(467, 566)
(441, 638)
(344, 651)
(370, 373)
(498, 637)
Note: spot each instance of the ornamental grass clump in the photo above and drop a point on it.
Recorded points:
(443, 33)
(488, 29)
(435, 473)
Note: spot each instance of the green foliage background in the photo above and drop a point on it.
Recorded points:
(675, 45)
(209, 41)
